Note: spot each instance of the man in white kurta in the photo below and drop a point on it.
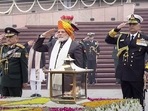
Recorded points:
(36, 62)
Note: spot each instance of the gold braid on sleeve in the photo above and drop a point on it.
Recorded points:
(112, 33)
(146, 65)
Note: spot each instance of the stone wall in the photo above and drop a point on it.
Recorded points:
(100, 14)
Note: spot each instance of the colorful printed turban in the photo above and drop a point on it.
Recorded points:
(65, 23)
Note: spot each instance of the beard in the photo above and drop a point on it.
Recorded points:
(63, 39)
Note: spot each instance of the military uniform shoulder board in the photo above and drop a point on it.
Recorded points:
(20, 45)
(97, 42)
(4, 44)
(124, 33)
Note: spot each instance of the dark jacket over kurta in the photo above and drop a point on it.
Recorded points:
(131, 63)
(75, 52)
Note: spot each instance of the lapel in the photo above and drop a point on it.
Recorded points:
(133, 43)
(127, 39)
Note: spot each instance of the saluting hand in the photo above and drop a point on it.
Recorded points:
(49, 33)
(2, 36)
(31, 42)
(86, 38)
(121, 25)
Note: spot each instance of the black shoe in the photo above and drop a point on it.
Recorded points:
(38, 95)
(33, 95)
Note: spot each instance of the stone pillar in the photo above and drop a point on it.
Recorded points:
(128, 1)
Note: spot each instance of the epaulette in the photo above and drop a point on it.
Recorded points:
(20, 45)
(4, 44)
(97, 42)
(124, 33)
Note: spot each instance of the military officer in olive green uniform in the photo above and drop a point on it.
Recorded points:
(132, 48)
(13, 62)
(92, 52)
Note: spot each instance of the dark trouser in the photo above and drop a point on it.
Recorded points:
(117, 81)
(115, 64)
(11, 91)
(67, 82)
(91, 75)
(83, 77)
(133, 89)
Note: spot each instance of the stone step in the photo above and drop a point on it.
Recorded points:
(105, 75)
(95, 86)
(104, 86)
